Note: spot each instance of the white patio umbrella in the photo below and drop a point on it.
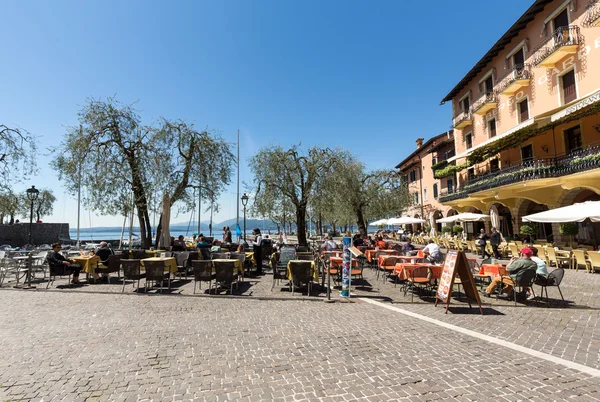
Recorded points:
(465, 217)
(165, 237)
(379, 222)
(572, 213)
(404, 220)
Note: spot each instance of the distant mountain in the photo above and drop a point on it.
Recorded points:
(262, 224)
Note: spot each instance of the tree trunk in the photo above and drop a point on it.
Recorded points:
(360, 221)
(301, 225)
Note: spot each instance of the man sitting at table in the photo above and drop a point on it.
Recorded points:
(514, 267)
(103, 252)
(408, 248)
(432, 252)
(57, 261)
(179, 244)
(329, 244)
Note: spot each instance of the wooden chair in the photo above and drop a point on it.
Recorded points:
(203, 273)
(132, 271)
(112, 265)
(579, 258)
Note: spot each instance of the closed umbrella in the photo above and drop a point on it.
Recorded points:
(165, 237)
(572, 213)
(432, 223)
(494, 217)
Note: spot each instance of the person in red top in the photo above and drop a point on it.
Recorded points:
(380, 243)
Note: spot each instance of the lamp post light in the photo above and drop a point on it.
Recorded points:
(244, 203)
(32, 195)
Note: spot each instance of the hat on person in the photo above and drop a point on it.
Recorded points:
(527, 251)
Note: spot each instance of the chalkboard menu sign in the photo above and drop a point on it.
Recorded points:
(287, 254)
(456, 263)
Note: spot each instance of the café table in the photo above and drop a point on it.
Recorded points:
(409, 259)
(335, 262)
(250, 257)
(153, 253)
(314, 271)
(489, 271)
(404, 270)
(371, 254)
(88, 263)
(170, 263)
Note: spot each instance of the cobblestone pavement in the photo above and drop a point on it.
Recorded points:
(108, 347)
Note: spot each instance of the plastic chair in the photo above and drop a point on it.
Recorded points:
(594, 260)
(579, 258)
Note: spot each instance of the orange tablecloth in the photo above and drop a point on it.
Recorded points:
(386, 261)
(372, 253)
(493, 270)
(412, 259)
(404, 271)
(336, 262)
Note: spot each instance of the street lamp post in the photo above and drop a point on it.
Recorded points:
(32, 195)
(244, 203)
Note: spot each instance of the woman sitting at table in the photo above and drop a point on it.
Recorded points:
(57, 260)
(216, 246)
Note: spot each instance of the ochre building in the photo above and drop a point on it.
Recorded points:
(526, 120)
(425, 190)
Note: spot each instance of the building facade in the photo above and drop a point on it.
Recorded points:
(418, 170)
(526, 120)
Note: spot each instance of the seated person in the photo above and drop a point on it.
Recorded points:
(241, 248)
(408, 247)
(432, 252)
(179, 244)
(202, 241)
(329, 244)
(380, 243)
(514, 267)
(540, 274)
(358, 241)
(216, 246)
(57, 260)
(103, 252)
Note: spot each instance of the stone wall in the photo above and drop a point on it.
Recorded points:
(42, 233)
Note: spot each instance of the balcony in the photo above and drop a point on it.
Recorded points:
(462, 120)
(562, 42)
(592, 14)
(578, 161)
(486, 102)
(516, 79)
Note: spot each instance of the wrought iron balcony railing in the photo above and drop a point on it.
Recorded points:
(592, 14)
(575, 162)
(486, 102)
(564, 40)
(516, 78)
(462, 120)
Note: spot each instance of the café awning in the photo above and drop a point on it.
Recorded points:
(464, 217)
(572, 213)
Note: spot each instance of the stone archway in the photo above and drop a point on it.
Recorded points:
(545, 230)
(506, 220)
(589, 232)
(437, 214)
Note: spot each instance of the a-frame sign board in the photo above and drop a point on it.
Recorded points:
(457, 263)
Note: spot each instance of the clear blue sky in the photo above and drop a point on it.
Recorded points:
(365, 75)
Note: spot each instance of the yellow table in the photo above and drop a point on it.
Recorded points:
(152, 253)
(237, 264)
(170, 263)
(315, 273)
(88, 263)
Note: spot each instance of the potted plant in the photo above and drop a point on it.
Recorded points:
(528, 230)
(446, 229)
(569, 229)
(457, 229)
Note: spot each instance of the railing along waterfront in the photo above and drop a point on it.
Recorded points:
(577, 161)
(562, 36)
(518, 72)
(485, 98)
(592, 14)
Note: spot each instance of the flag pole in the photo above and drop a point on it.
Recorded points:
(237, 202)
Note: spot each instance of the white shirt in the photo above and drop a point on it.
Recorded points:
(432, 248)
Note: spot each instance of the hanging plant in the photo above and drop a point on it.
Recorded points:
(449, 170)
(439, 165)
